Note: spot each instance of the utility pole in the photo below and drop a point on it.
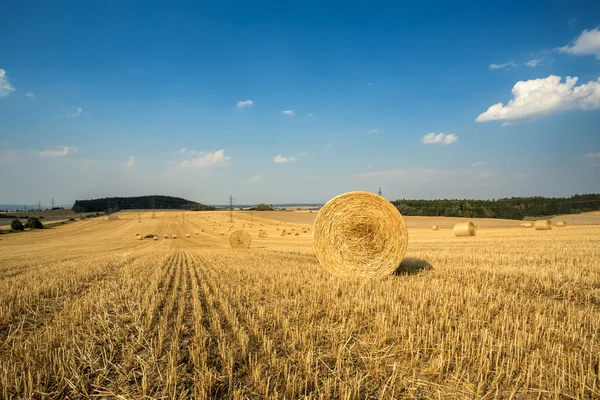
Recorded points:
(39, 206)
(107, 207)
(52, 208)
(230, 208)
(153, 210)
(379, 193)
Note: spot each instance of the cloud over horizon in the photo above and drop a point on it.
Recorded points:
(539, 97)
(288, 112)
(209, 160)
(440, 138)
(279, 159)
(59, 151)
(244, 104)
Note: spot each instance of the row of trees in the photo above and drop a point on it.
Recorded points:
(509, 208)
(113, 204)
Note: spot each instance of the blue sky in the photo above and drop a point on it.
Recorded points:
(298, 102)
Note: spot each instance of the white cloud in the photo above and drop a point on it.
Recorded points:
(370, 84)
(75, 114)
(255, 178)
(533, 63)
(30, 95)
(370, 166)
(373, 131)
(303, 153)
(506, 65)
(59, 151)
(588, 43)
(5, 87)
(131, 162)
(309, 115)
(441, 138)
(192, 152)
(538, 97)
(590, 156)
(216, 159)
(479, 164)
(281, 159)
(288, 112)
(244, 104)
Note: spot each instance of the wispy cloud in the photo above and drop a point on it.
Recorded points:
(281, 159)
(131, 162)
(216, 159)
(254, 178)
(591, 156)
(192, 152)
(533, 63)
(303, 153)
(58, 151)
(479, 164)
(5, 86)
(76, 113)
(244, 104)
(506, 65)
(440, 138)
(30, 95)
(588, 43)
(309, 115)
(288, 112)
(373, 131)
(539, 97)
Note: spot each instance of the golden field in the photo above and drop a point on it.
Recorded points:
(87, 310)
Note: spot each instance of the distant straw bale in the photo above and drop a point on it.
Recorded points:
(543, 225)
(526, 225)
(187, 235)
(561, 224)
(464, 229)
(435, 228)
(359, 234)
(174, 236)
(240, 239)
(282, 232)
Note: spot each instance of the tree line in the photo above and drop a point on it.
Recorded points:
(508, 208)
(113, 204)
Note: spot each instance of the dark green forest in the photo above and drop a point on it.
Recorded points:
(510, 208)
(113, 204)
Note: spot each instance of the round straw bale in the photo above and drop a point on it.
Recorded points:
(543, 225)
(282, 232)
(165, 236)
(464, 229)
(261, 234)
(297, 234)
(240, 239)
(155, 237)
(526, 225)
(561, 224)
(435, 228)
(359, 234)
(187, 235)
(174, 236)
(222, 233)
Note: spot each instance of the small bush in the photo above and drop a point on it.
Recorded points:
(71, 219)
(42, 217)
(16, 225)
(34, 223)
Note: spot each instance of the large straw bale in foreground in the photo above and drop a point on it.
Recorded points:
(543, 225)
(240, 239)
(359, 234)
(464, 229)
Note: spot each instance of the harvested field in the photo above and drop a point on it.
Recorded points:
(87, 310)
